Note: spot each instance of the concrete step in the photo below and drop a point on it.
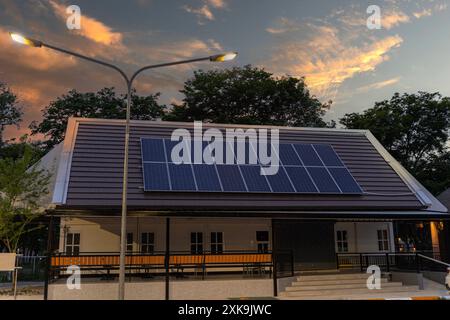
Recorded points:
(337, 276)
(345, 293)
(340, 286)
(334, 281)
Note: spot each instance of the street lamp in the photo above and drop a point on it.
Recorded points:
(129, 82)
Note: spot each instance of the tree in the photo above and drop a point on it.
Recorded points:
(103, 104)
(10, 113)
(410, 126)
(16, 150)
(22, 187)
(248, 95)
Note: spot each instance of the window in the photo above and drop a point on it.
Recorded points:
(196, 242)
(383, 241)
(216, 242)
(147, 242)
(262, 241)
(130, 242)
(73, 244)
(342, 241)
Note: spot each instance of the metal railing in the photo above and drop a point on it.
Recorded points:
(32, 268)
(387, 261)
(180, 263)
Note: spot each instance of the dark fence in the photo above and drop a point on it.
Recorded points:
(284, 263)
(392, 261)
(33, 268)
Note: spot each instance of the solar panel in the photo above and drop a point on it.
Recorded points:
(156, 177)
(280, 182)
(323, 180)
(345, 180)
(231, 178)
(288, 155)
(253, 178)
(328, 156)
(302, 168)
(153, 150)
(206, 177)
(301, 180)
(182, 177)
(308, 155)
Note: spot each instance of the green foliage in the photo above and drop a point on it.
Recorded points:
(103, 104)
(16, 150)
(22, 188)
(434, 172)
(248, 95)
(414, 129)
(10, 113)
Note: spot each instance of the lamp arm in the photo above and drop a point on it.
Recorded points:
(154, 66)
(122, 73)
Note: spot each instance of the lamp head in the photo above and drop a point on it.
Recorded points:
(17, 37)
(223, 57)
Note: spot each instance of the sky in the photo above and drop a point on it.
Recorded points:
(327, 42)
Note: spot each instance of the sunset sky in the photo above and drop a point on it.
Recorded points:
(326, 41)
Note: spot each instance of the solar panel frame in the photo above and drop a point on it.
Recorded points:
(315, 159)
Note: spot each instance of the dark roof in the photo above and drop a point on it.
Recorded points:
(444, 198)
(90, 173)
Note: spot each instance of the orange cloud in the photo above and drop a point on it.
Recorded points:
(326, 60)
(379, 85)
(90, 27)
(202, 12)
(220, 4)
(393, 19)
(33, 58)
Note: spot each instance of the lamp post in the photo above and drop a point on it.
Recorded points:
(129, 82)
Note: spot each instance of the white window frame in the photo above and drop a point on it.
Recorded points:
(197, 246)
(130, 245)
(72, 246)
(217, 243)
(146, 246)
(383, 241)
(342, 241)
(264, 244)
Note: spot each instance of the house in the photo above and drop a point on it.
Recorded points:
(336, 192)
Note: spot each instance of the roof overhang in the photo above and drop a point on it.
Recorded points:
(367, 215)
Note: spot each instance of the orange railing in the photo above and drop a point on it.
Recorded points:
(112, 260)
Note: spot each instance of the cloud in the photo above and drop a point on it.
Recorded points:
(219, 4)
(379, 85)
(393, 18)
(283, 25)
(423, 13)
(327, 57)
(204, 12)
(90, 28)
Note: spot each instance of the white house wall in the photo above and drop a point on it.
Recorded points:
(103, 234)
(362, 236)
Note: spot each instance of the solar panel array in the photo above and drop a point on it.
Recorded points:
(303, 168)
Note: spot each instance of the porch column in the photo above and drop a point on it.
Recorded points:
(274, 261)
(49, 257)
(435, 237)
(167, 258)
